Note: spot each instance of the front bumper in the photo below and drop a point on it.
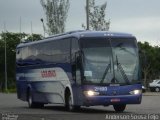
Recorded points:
(112, 100)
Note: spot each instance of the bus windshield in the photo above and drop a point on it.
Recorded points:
(110, 60)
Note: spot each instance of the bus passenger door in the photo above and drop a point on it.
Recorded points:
(76, 71)
(78, 95)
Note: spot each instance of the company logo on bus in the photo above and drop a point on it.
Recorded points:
(48, 73)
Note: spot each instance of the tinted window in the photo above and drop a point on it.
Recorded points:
(18, 56)
(33, 52)
(124, 42)
(24, 53)
(94, 42)
(54, 51)
(75, 48)
(110, 60)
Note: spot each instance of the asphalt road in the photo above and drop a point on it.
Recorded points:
(11, 107)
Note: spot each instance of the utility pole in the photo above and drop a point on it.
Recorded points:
(20, 29)
(31, 31)
(6, 81)
(87, 14)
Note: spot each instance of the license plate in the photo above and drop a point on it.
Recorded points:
(115, 100)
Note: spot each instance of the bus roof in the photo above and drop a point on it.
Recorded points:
(78, 34)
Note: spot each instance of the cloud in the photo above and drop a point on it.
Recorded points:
(145, 28)
(137, 24)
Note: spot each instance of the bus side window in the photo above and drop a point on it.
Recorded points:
(18, 56)
(74, 49)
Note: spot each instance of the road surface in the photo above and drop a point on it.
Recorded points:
(11, 107)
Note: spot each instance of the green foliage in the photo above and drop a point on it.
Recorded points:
(34, 37)
(97, 14)
(150, 62)
(12, 40)
(56, 15)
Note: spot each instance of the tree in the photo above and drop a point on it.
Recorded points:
(145, 63)
(97, 16)
(33, 37)
(56, 14)
(149, 59)
(12, 40)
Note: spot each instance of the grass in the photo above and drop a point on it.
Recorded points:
(10, 90)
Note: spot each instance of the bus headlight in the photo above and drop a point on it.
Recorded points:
(136, 92)
(90, 93)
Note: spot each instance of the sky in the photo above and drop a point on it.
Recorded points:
(138, 17)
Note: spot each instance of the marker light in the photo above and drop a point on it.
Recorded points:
(136, 92)
(91, 93)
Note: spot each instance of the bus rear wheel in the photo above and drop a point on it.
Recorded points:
(31, 103)
(119, 108)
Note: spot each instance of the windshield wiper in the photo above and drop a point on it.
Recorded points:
(122, 71)
(105, 72)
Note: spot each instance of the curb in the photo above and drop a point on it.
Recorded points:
(151, 94)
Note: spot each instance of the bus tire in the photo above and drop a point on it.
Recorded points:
(31, 103)
(69, 104)
(119, 108)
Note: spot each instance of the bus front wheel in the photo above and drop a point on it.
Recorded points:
(69, 104)
(119, 108)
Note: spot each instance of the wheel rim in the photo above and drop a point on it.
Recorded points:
(29, 100)
(157, 89)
